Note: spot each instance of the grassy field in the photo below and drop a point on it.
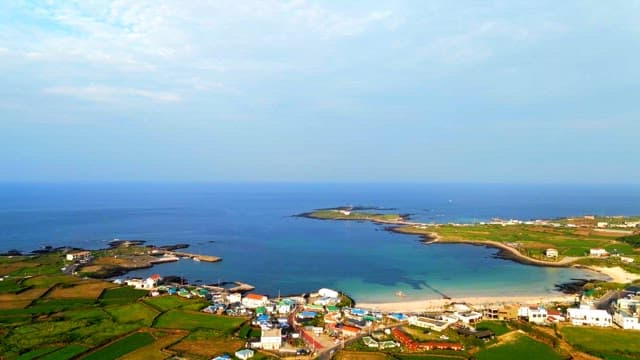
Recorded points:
(356, 355)
(337, 215)
(122, 346)
(131, 313)
(498, 327)
(87, 289)
(67, 352)
(532, 240)
(154, 351)
(37, 353)
(164, 303)
(190, 320)
(207, 343)
(606, 343)
(522, 348)
(121, 295)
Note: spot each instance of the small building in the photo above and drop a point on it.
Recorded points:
(478, 334)
(79, 256)
(349, 331)
(253, 301)
(328, 293)
(152, 281)
(626, 259)
(428, 323)
(534, 314)
(470, 317)
(234, 298)
(271, 339)
(244, 354)
(588, 316)
(135, 282)
(626, 320)
(598, 252)
(551, 253)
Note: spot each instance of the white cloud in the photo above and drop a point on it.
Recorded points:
(112, 94)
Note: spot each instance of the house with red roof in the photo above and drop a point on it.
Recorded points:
(253, 301)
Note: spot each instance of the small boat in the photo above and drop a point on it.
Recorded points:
(400, 293)
(196, 259)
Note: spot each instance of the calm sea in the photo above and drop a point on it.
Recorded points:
(251, 226)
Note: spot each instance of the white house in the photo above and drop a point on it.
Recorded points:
(152, 281)
(429, 323)
(244, 354)
(598, 252)
(135, 282)
(626, 320)
(234, 298)
(626, 259)
(328, 293)
(253, 301)
(551, 253)
(469, 317)
(78, 256)
(534, 314)
(271, 339)
(587, 316)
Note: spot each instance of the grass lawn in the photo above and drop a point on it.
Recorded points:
(428, 357)
(607, 343)
(121, 295)
(207, 343)
(190, 320)
(122, 346)
(90, 289)
(498, 327)
(49, 280)
(356, 355)
(154, 351)
(167, 302)
(522, 348)
(136, 312)
(36, 353)
(67, 352)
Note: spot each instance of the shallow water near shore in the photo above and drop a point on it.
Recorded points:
(252, 228)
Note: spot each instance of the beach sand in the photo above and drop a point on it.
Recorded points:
(617, 274)
(438, 304)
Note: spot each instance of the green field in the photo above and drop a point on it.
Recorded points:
(121, 295)
(37, 353)
(498, 327)
(190, 320)
(523, 348)
(164, 303)
(334, 214)
(67, 352)
(122, 346)
(136, 312)
(606, 343)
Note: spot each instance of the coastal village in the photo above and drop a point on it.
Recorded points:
(167, 316)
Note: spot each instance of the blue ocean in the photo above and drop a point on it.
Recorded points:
(253, 228)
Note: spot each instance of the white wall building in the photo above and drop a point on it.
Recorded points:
(534, 314)
(626, 320)
(253, 301)
(587, 316)
(598, 252)
(234, 298)
(328, 293)
(271, 339)
(468, 317)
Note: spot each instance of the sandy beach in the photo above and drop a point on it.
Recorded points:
(617, 274)
(437, 304)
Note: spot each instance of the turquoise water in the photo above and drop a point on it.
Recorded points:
(252, 228)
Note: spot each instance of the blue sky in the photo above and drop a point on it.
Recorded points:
(433, 91)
